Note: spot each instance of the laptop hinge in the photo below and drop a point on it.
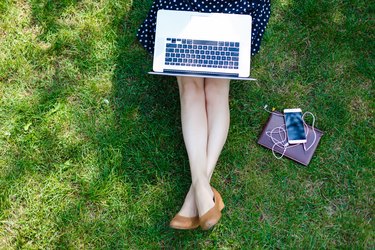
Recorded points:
(189, 72)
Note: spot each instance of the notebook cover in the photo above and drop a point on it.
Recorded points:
(296, 153)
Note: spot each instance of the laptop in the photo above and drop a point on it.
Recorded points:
(213, 45)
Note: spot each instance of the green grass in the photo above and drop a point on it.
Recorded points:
(91, 151)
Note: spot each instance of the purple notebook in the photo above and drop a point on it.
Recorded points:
(296, 153)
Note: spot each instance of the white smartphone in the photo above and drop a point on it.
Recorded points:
(295, 129)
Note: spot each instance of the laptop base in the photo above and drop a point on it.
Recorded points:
(202, 75)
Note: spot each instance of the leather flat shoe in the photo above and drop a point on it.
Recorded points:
(184, 223)
(220, 200)
(212, 216)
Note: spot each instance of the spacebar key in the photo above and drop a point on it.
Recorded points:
(204, 42)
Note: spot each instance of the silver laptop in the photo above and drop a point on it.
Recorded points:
(213, 45)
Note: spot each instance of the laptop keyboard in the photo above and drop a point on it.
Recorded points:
(202, 53)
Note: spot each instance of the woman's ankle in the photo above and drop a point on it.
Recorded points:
(203, 197)
(189, 208)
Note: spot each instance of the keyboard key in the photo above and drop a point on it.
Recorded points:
(205, 42)
(234, 49)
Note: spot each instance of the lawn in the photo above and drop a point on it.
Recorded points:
(91, 150)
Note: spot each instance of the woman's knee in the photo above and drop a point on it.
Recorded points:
(190, 86)
(217, 90)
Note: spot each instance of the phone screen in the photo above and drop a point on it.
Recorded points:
(295, 128)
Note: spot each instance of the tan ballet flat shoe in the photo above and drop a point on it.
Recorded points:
(212, 216)
(220, 200)
(184, 223)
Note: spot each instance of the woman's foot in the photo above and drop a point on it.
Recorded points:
(189, 208)
(212, 216)
(187, 217)
(184, 223)
(203, 197)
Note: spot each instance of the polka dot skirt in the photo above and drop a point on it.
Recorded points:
(259, 10)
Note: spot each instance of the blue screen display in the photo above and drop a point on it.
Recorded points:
(294, 126)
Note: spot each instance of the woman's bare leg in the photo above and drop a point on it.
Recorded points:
(216, 92)
(217, 105)
(194, 129)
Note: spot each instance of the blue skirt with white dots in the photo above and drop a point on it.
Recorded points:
(259, 10)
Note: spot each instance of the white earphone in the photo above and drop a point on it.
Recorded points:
(282, 141)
